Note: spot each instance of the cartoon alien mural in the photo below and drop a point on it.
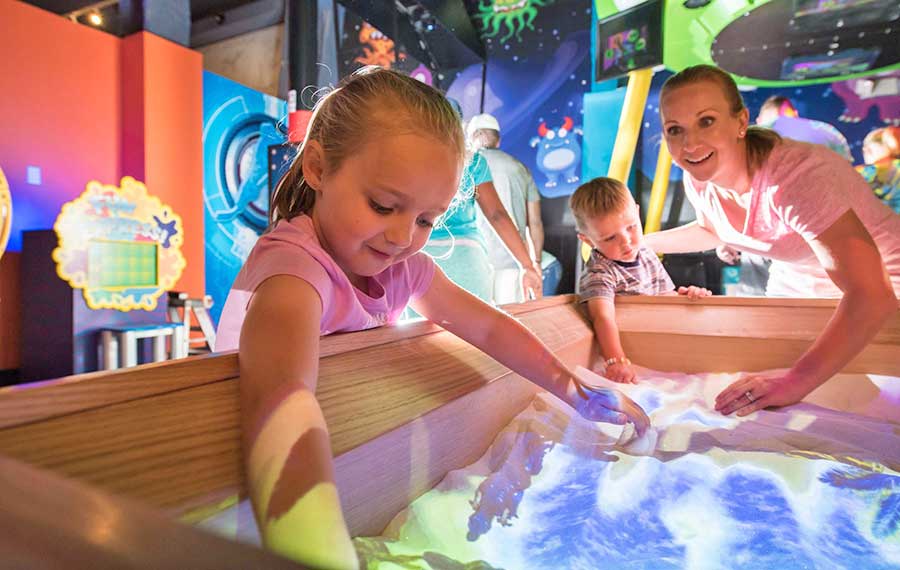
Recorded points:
(514, 15)
(378, 49)
(861, 94)
(558, 153)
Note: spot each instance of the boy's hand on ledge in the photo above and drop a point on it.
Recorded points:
(693, 292)
(620, 372)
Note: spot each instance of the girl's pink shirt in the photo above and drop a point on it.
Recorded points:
(292, 248)
(799, 192)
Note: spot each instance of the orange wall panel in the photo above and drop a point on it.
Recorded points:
(82, 104)
(162, 136)
(173, 143)
(60, 111)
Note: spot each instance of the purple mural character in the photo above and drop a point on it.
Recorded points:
(558, 153)
(860, 95)
(423, 74)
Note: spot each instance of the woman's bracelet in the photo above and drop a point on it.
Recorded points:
(620, 360)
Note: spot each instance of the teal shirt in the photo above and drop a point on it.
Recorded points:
(884, 178)
(461, 222)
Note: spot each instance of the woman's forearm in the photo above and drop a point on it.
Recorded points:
(855, 322)
(536, 229)
(498, 217)
(506, 230)
(683, 239)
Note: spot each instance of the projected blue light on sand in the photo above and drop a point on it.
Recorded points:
(804, 487)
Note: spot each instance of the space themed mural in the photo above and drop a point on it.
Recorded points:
(239, 126)
(364, 44)
(537, 73)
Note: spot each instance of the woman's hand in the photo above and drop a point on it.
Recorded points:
(728, 254)
(693, 292)
(532, 284)
(607, 405)
(755, 392)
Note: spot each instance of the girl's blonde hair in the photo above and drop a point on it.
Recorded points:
(760, 140)
(372, 102)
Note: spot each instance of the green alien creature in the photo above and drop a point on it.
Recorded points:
(514, 15)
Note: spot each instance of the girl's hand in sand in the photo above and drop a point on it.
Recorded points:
(609, 406)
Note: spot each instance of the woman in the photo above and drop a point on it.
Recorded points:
(789, 201)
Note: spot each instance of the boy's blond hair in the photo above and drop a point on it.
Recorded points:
(599, 197)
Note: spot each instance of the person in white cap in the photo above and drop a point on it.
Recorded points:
(519, 194)
(459, 247)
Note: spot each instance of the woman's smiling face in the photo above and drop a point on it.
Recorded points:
(703, 135)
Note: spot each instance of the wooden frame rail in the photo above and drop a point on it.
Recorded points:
(167, 434)
(423, 402)
(728, 334)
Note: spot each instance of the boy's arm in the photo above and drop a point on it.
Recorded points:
(287, 452)
(603, 317)
(509, 342)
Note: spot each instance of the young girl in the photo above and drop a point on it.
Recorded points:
(380, 164)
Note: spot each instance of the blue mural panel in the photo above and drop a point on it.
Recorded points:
(239, 125)
(538, 71)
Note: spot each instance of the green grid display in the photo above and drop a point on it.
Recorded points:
(120, 264)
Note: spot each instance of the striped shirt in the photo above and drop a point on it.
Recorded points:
(606, 278)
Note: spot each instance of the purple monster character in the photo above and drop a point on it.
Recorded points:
(860, 95)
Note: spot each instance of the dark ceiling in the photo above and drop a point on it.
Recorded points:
(199, 8)
(439, 33)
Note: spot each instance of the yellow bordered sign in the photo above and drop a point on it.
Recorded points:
(5, 212)
(120, 245)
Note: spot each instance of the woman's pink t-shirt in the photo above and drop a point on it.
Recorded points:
(799, 192)
(292, 248)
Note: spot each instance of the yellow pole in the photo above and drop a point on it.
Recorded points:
(630, 123)
(629, 129)
(659, 189)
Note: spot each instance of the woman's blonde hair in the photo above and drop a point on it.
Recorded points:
(372, 102)
(760, 140)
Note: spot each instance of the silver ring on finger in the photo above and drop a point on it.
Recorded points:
(749, 395)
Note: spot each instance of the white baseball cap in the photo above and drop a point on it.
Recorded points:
(482, 121)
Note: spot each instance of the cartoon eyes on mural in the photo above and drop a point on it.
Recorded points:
(550, 134)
